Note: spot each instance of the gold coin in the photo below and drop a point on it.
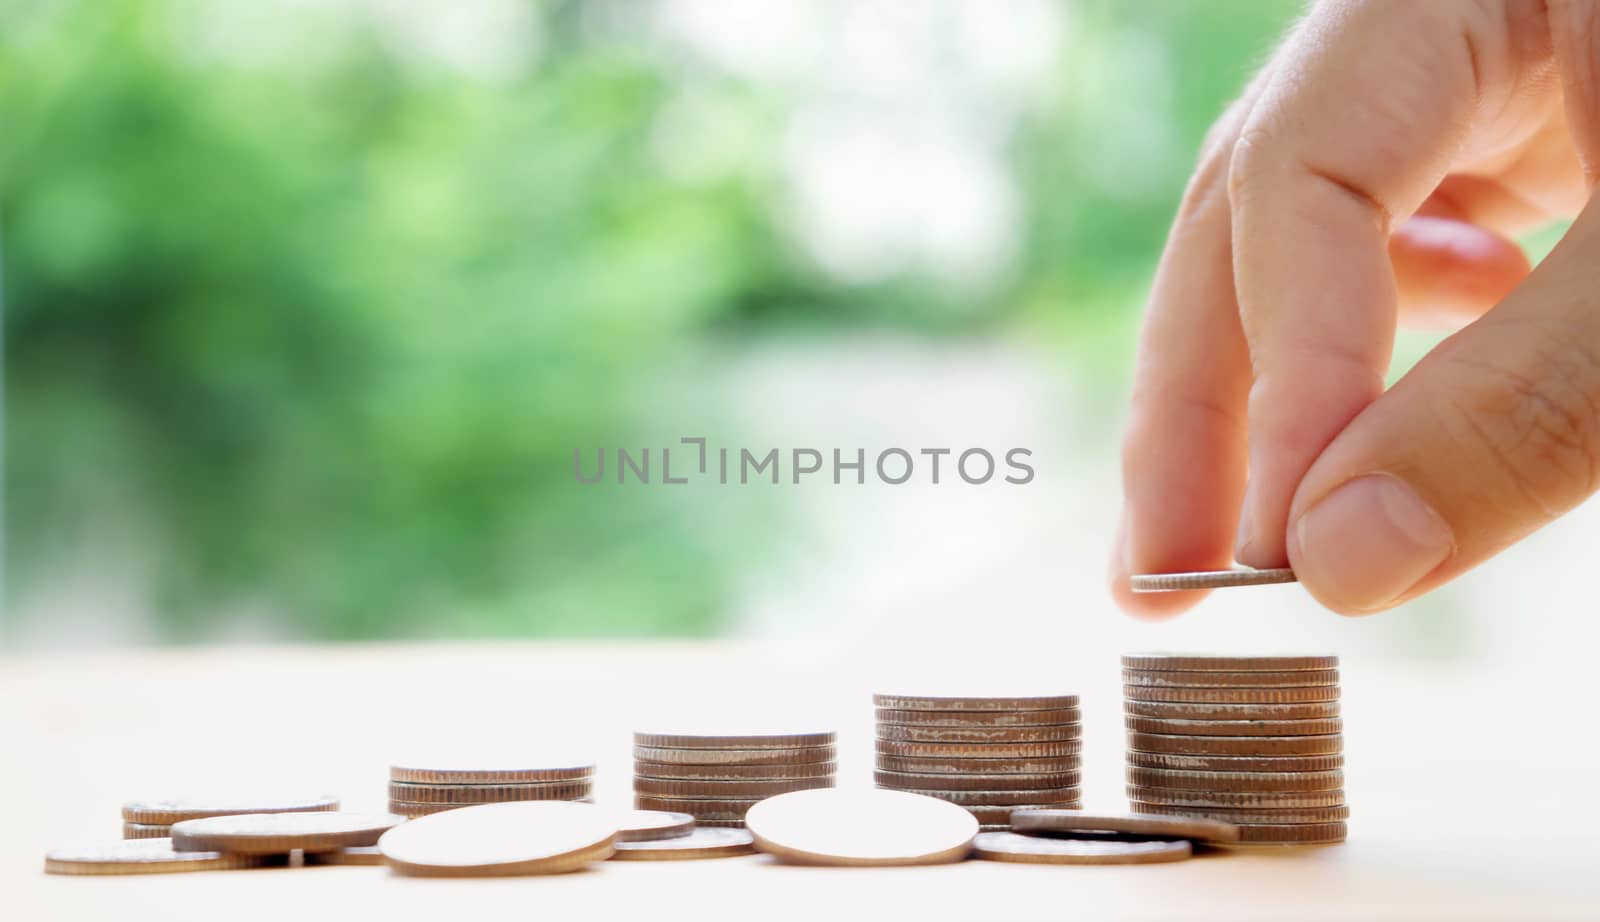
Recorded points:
(1237, 745)
(861, 827)
(487, 793)
(807, 756)
(1184, 662)
(1011, 846)
(1306, 834)
(145, 831)
(726, 772)
(1284, 816)
(1078, 822)
(1000, 815)
(1303, 678)
(1235, 800)
(980, 718)
(941, 703)
(711, 842)
(1236, 781)
(718, 789)
(167, 812)
(358, 854)
(1235, 727)
(909, 733)
(652, 825)
(957, 765)
(519, 837)
(145, 856)
(979, 750)
(1332, 762)
(998, 798)
(492, 771)
(1186, 710)
(1208, 579)
(1316, 693)
(762, 739)
(901, 781)
(280, 833)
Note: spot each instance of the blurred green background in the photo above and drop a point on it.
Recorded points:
(307, 304)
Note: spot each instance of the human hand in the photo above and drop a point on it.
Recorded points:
(1373, 174)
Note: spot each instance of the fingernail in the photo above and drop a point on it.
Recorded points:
(1246, 535)
(1363, 545)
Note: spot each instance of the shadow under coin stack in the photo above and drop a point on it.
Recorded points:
(716, 779)
(418, 789)
(1251, 740)
(989, 755)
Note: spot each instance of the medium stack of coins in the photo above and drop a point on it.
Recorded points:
(421, 789)
(1250, 740)
(716, 779)
(990, 755)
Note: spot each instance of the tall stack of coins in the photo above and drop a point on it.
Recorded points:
(990, 755)
(418, 789)
(1251, 740)
(717, 778)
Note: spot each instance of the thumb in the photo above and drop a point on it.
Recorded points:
(1492, 435)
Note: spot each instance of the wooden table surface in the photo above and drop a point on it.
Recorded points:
(1471, 791)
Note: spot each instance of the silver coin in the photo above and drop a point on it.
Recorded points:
(1209, 579)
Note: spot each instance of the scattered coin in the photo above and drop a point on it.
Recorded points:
(1012, 846)
(1285, 816)
(955, 782)
(497, 770)
(763, 739)
(998, 798)
(1310, 693)
(711, 789)
(279, 833)
(910, 733)
(653, 825)
(145, 831)
(487, 793)
(980, 750)
(1235, 727)
(167, 812)
(1078, 822)
(1235, 800)
(1237, 745)
(1186, 662)
(999, 816)
(519, 837)
(710, 842)
(1331, 762)
(861, 827)
(1308, 834)
(958, 765)
(358, 854)
(723, 771)
(938, 703)
(1295, 679)
(146, 856)
(1236, 781)
(805, 755)
(1185, 710)
(980, 718)
(1208, 579)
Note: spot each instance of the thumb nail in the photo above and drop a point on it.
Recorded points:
(1363, 545)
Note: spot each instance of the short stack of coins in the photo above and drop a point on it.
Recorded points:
(989, 755)
(1251, 740)
(418, 789)
(153, 819)
(716, 778)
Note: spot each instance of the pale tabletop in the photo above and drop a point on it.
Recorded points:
(1471, 793)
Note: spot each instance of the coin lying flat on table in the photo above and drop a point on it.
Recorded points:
(1236, 800)
(1293, 679)
(698, 843)
(1205, 763)
(723, 771)
(411, 792)
(861, 827)
(1318, 727)
(146, 856)
(1078, 822)
(496, 770)
(1195, 710)
(980, 718)
(1237, 745)
(1289, 695)
(1190, 662)
(279, 833)
(653, 825)
(519, 837)
(167, 812)
(916, 733)
(999, 815)
(1280, 817)
(806, 755)
(761, 739)
(941, 703)
(1209, 579)
(956, 782)
(1012, 846)
(145, 831)
(958, 765)
(1236, 781)
(357, 854)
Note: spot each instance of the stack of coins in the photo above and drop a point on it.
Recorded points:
(990, 755)
(421, 789)
(1251, 740)
(717, 778)
(153, 819)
